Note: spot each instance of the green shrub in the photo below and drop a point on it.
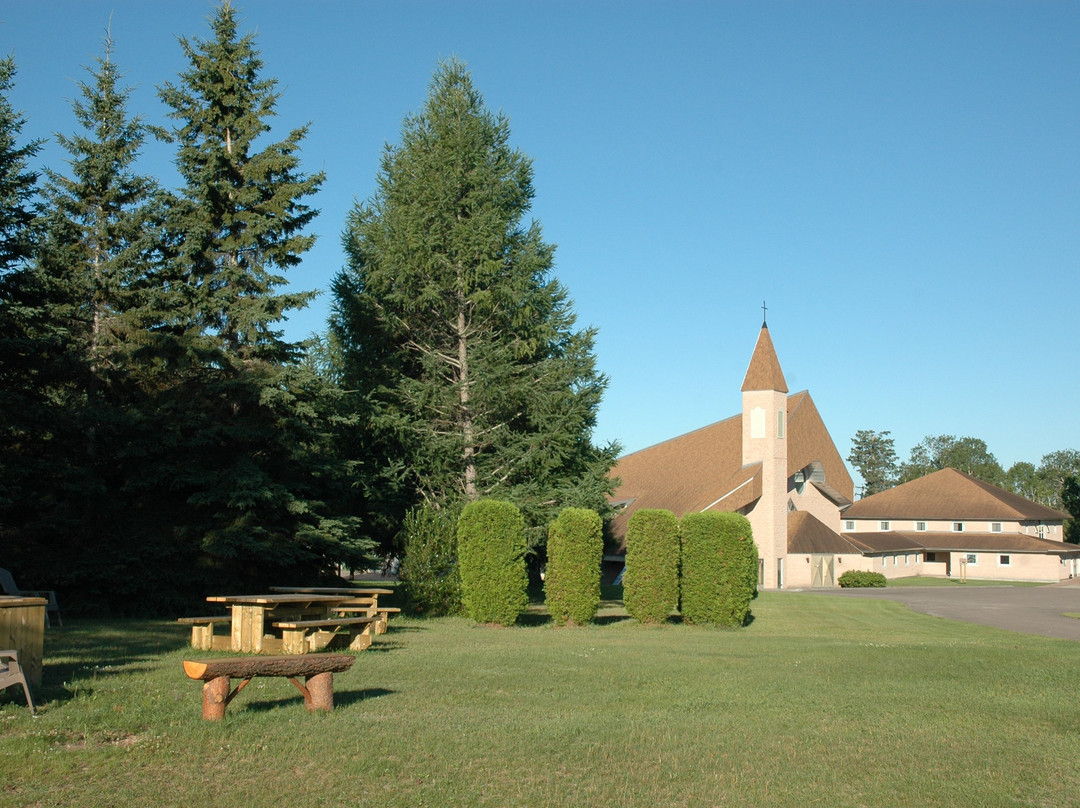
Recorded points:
(575, 549)
(491, 555)
(719, 568)
(861, 578)
(651, 580)
(430, 578)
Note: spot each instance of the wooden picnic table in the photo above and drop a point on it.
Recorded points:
(252, 616)
(361, 600)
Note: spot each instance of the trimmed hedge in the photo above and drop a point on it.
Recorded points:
(853, 579)
(491, 554)
(719, 568)
(430, 577)
(651, 579)
(572, 583)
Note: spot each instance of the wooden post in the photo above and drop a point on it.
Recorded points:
(215, 698)
(320, 691)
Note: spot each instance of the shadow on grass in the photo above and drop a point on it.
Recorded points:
(85, 650)
(342, 698)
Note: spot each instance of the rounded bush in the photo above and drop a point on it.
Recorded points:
(651, 580)
(861, 578)
(491, 555)
(719, 568)
(575, 549)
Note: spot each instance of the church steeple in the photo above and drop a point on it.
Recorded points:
(764, 372)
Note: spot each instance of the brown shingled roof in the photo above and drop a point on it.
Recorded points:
(703, 468)
(893, 541)
(687, 474)
(950, 494)
(764, 372)
(808, 534)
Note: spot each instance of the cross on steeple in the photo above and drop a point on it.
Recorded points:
(764, 324)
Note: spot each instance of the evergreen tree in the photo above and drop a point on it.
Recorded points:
(98, 249)
(27, 340)
(874, 455)
(460, 342)
(248, 446)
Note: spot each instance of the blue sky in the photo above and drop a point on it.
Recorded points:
(900, 181)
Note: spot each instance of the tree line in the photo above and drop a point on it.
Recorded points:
(1055, 482)
(159, 436)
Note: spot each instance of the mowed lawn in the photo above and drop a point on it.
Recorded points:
(818, 702)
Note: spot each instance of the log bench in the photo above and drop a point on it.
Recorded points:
(202, 631)
(305, 636)
(217, 674)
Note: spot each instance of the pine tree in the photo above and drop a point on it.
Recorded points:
(460, 341)
(27, 339)
(248, 441)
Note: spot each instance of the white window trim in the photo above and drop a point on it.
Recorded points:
(920, 527)
(884, 525)
(849, 524)
(957, 527)
(1008, 559)
(995, 527)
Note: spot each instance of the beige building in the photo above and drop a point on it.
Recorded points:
(776, 463)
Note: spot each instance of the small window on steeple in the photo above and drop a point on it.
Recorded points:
(780, 423)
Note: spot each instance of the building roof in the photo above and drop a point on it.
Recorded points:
(808, 534)
(703, 469)
(950, 494)
(892, 541)
(764, 371)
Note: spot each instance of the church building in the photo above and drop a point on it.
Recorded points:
(776, 463)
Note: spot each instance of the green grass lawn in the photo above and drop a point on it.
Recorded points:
(818, 702)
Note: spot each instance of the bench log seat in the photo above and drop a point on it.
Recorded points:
(217, 675)
(202, 632)
(381, 613)
(305, 636)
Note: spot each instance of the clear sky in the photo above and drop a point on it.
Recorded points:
(899, 181)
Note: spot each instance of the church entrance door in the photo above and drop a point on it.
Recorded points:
(823, 571)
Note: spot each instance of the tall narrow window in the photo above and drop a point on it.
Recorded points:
(779, 423)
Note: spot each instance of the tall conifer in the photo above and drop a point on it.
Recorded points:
(247, 440)
(460, 341)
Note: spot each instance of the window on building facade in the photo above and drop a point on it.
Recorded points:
(995, 527)
(958, 527)
(920, 525)
(849, 524)
(931, 556)
(1004, 561)
(883, 525)
(780, 424)
(972, 558)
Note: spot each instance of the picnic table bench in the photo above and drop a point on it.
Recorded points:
(305, 636)
(202, 632)
(217, 674)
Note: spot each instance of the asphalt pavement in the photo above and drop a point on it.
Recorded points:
(1027, 609)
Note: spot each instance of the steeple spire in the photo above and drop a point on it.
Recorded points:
(764, 372)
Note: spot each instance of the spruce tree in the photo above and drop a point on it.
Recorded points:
(461, 343)
(248, 445)
(97, 256)
(27, 341)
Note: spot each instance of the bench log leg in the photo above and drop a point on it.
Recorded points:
(319, 692)
(215, 698)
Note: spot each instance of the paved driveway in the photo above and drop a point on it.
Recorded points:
(1027, 609)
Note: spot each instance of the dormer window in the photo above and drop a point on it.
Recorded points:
(883, 525)
(995, 527)
(958, 527)
(920, 526)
